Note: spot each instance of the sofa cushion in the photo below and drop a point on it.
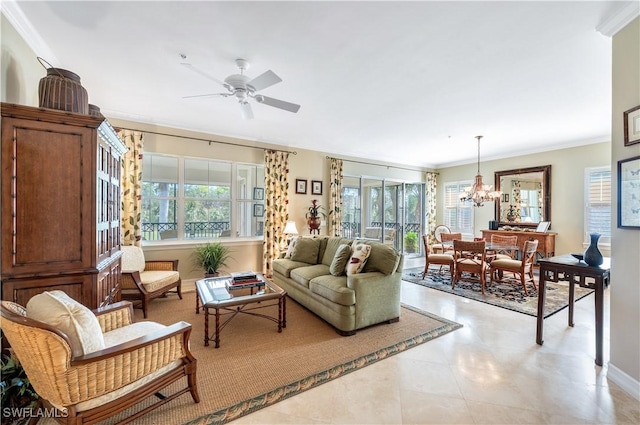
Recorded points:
(306, 250)
(303, 275)
(340, 259)
(332, 246)
(334, 289)
(284, 266)
(59, 310)
(382, 258)
(359, 255)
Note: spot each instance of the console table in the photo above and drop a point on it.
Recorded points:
(568, 268)
(546, 240)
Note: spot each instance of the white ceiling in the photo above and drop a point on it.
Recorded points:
(405, 82)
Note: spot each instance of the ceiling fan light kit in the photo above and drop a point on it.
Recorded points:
(245, 88)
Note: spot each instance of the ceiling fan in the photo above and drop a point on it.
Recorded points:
(245, 88)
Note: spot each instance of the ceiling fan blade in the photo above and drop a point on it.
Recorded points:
(204, 74)
(245, 109)
(206, 95)
(264, 80)
(277, 103)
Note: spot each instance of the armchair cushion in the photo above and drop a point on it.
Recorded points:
(132, 331)
(132, 259)
(158, 279)
(58, 309)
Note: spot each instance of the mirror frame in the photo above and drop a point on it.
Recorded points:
(546, 189)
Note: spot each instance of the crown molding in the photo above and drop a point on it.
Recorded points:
(619, 19)
(16, 17)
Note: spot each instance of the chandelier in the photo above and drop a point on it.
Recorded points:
(479, 192)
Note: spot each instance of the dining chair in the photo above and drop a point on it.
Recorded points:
(523, 268)
(437, 235)
(504, 246)
(447, 240)
(470, 257)
(441, 259)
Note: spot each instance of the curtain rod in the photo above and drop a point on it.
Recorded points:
(379, 165)
(207, 140)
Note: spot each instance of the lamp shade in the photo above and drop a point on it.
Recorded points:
(290, 228)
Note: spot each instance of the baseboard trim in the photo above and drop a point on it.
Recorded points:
(624, 381)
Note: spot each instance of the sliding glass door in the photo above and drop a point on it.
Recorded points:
(391, 212)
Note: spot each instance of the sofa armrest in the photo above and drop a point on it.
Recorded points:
(377, 296)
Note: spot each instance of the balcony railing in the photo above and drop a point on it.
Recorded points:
(192, 230)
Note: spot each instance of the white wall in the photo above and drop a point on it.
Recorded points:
(21, 72)
(624, 365)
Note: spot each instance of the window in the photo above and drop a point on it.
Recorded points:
(458, 215)
(195, 198)
(597, 210)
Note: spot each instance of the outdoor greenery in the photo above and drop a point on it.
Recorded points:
(411, 241)
(211, 257)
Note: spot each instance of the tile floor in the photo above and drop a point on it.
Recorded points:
(489, 372)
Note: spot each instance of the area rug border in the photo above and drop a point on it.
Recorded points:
(246, 407)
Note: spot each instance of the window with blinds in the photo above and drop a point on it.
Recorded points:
(458, 215)
(597, 218)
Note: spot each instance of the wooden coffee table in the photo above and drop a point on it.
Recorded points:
(213, 294)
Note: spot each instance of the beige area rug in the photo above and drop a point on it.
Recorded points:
(256, 366)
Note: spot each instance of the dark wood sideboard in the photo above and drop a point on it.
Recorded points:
(60, 205)
(546, 240)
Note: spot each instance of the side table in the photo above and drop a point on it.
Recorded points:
(567, 268)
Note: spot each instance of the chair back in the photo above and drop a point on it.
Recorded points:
(504, 244)
(439, 230)
(44, 352)
(448, 237)
(529, 252)
(132, 258)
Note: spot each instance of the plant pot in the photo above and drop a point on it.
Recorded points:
(314, 223)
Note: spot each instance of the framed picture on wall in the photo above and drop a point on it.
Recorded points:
(301, 186)
(632, 126)
(258, 210)
(258, 193)
(316, 187)
(629, 192)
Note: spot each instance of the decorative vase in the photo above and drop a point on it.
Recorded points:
(314, 224)
(592, 255)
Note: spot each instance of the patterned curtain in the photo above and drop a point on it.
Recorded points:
(130, 188)
(430, 201)
(276, 214)
(516, 199)
(335, 198)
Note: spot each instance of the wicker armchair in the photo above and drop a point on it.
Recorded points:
(138, 361)
(144, 280)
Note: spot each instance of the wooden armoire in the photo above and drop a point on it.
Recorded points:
(60, 205)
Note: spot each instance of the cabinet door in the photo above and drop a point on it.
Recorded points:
(48, 197)
(21, 290)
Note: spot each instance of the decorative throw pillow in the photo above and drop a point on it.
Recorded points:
(340, 260)
(306, 250)
(59, 310)
(359, 255)
(292, 244)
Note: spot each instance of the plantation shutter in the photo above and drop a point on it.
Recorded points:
(458, 215)
(598, 203)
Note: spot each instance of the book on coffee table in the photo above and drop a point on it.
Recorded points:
(243, 276)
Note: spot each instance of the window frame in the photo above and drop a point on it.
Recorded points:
(234, 201)
(458, 207)
(605, 239)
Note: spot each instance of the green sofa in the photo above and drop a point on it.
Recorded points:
(346, 302)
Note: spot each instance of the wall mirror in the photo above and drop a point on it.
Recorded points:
(526, 196)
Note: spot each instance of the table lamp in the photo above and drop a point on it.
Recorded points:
(290, 230)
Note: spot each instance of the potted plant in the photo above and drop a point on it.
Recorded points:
(411, 242)
(17, 391)
(211, 257)
(314, 216)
